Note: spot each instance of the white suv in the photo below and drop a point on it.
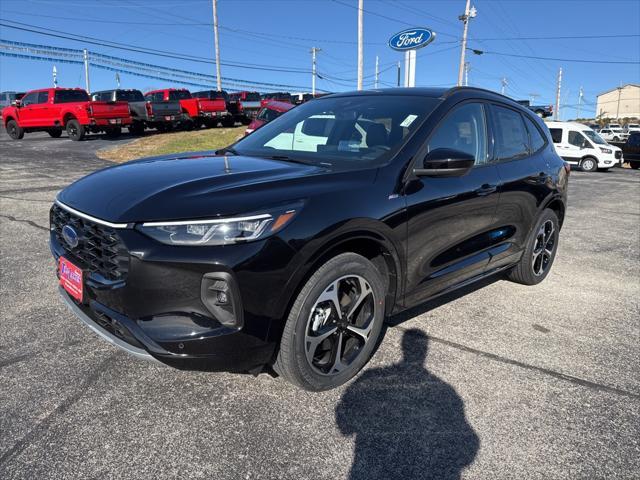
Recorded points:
(632, 127)
(577, 144)
(613, 134)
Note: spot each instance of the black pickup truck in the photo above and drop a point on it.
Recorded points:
(543, 111)
(631, 150)
(145, 112)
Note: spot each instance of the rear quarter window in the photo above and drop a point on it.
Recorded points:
(556, 135)
(536, 138)
(511, 137)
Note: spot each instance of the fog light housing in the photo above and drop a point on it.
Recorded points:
(219, 293)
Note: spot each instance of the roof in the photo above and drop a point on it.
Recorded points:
(577, 125)
(279, 106)
(616, 88)
(432, 92)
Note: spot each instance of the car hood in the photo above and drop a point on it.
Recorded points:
(198, 185)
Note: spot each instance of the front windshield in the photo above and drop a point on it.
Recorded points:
(594, 137)
(356, 131)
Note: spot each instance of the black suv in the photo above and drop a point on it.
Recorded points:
(287, 250)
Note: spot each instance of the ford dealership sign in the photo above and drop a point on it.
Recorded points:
(411, 39)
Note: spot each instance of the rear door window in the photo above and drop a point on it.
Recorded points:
(70, 96)
(556, 135)
(43, 97)
(510, 134)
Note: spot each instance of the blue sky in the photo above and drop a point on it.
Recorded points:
(261, 34)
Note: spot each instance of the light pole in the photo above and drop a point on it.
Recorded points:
(217, 45)
(314, 50)
(360, 45)
(85, 56)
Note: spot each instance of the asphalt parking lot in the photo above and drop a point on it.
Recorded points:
(499, 382)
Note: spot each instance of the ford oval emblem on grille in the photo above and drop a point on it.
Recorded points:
(70, 236)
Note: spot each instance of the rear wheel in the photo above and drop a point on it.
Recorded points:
(14, 130)
(245, 121)
(537, 259)
(187, 122)
(589, 164)
(136, 128)
(228, 122)
(75, 130)
(333, 325)
(55, 132)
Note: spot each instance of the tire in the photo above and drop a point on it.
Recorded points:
(615, 139)
(589, 164)
(113, 132)
(55, 132)
(312, 365)
(14, 130)
(229, 122)
(187, 123)
(75, 131)
(635, 165)
(538, 257)
(161, 127)
(245, 121)
(136, 128)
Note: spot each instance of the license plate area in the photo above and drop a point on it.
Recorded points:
(115, 121)
(71, 277)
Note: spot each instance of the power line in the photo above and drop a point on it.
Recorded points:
(574, 60)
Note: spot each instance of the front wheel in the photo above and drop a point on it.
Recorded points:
(615, 139)
(333, 325)
(75, 130)
(14, 130)
(537, 259)
(589, 164)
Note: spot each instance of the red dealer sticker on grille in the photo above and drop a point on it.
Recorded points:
(70, 278)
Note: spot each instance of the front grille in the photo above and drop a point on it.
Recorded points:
(618, 154)
(100, 250)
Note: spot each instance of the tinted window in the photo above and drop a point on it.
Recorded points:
(346, 132)
(267, 114)
(154, 97)
(179, 95)
(68, 96)
(129, 96)
(30, 99)
(463, 129)
(511, 138)
(536, 139)
(252, 97)
(556, 135)
(634, 139)
(577, 139)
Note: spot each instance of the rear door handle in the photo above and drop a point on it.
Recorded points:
(485, 189)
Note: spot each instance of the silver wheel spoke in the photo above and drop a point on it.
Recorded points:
(331, 295)
(336, 355)
(363, 333)
(365, 291)
(312, 342)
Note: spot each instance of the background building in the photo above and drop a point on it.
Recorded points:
(619, 102)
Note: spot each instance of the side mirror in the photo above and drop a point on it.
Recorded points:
(17, 103)
(445, 162)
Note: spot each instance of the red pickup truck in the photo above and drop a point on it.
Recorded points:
(196, 111)
(54, 109)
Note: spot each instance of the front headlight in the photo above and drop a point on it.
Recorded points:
(222, 231)
(606, 150)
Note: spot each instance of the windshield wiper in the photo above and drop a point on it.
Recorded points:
(226, 150)
(286, 158)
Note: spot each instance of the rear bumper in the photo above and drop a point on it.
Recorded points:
(110, 122)
(215, 114)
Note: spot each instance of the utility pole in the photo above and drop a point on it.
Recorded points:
(467, 67)
(398, 73)
(85, 56)
(217, 45)
(580, 95)
(360, 45)
(314, 50)
(469, 13)
(375, 82)
(618, 107)
(557, 112)
(504, 84)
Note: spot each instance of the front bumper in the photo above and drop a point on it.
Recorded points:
(164, 307)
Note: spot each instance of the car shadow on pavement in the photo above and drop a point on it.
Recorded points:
(407, 422)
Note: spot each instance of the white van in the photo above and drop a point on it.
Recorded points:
(577, 144)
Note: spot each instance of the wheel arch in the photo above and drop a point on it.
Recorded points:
(8, 118)
(66, 117)
(557, 205)
(371, 244)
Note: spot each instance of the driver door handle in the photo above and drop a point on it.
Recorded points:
(485, 189)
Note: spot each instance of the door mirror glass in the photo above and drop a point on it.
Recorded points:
(17, 103)
(446, 162)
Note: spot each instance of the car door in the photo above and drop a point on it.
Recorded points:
(27, 113)
(520, 152)
(41, 111)
(577, 146)
(450, 219)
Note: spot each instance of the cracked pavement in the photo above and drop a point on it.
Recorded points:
(497, 381)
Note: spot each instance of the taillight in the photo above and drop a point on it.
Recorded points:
(148, 107)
